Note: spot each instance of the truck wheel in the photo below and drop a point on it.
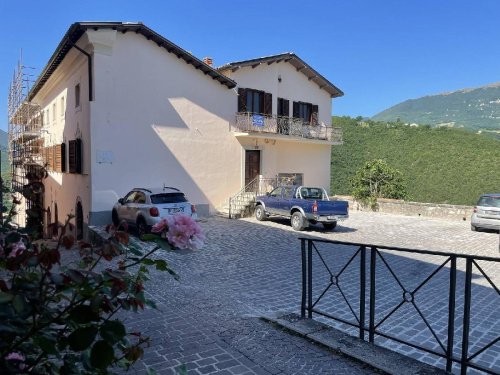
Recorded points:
(260, 214)
(329, 226)
(298, 221)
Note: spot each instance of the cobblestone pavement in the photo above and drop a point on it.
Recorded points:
(209, 320)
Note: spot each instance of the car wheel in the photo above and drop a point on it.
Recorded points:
(329, 226)
(142, 227)
(473, 228)
(298, 221)
(260, 214)
(115, 218)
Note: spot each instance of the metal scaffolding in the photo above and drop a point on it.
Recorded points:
(25, 145)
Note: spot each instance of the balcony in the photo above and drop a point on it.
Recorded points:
(288, 127)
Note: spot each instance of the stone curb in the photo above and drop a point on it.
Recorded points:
(379, 358)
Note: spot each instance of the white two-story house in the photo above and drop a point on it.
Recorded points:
(122, 107)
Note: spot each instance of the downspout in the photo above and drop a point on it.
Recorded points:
(89, 64)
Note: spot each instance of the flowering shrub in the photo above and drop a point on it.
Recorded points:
(57, 314)
(181, 231)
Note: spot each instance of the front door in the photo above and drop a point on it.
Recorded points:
(252, 165)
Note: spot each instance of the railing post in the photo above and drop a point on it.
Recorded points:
(466, 325)
(304, 278)
(309, 279)
(230, 202)
(362, 294)
(373, 260)
(451, 314)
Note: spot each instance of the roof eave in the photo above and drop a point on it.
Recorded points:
(77, 29)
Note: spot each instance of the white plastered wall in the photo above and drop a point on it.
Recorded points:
(70, 122)
(294, 86)
(157, 120)
(277, 156)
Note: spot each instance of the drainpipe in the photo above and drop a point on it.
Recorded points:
(89, 64)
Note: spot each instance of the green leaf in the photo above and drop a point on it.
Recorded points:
(150, 237)
(5, 297)
(150, 371)
(47, 344)
(101, 355)
(112, 331)
(83, 314)
(148, 262)
(82, 338)
(76, 276)
(161, 265)
(19, 304)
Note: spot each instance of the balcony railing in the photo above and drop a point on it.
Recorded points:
(288, 126)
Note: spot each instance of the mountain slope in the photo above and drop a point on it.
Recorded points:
(475, 109)
(440, 165)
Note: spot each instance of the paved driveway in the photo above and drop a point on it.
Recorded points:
(208, 320)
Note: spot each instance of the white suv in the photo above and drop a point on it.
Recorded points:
(143, 208)
(486, 213)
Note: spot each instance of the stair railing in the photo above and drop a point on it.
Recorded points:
(258, 186)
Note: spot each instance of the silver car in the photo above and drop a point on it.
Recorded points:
(143, 208)
(486, 213)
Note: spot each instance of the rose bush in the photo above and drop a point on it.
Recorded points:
(58, 311)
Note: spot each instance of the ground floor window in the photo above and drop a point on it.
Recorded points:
(291, 178)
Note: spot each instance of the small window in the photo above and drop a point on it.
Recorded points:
(62, 109)
(47, 116)
(54, 112)
(77, 96)
(130, 197)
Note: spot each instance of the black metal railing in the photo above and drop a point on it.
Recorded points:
(286, 126)
(365, 287)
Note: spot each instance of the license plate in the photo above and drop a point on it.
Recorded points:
(175, 210)
(331, 217)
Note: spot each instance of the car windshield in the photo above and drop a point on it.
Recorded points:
(168, 198)
(489, 202)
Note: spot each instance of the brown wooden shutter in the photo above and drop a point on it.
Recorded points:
(50, 158)
(268, 103)
(296, 109)
(242, 100)
(314, 114)
(58, 158)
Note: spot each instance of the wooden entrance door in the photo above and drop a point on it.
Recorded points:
(252, 165)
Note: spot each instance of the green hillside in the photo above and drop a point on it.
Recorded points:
(440, 165)
(475, 109)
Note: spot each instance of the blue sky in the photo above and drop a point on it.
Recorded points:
(378, 52)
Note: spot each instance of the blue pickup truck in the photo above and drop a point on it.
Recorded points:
(304, 205)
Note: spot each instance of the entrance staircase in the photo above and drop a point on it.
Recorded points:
(242, 203)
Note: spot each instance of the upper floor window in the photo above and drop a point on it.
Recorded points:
(77, 96)
(254, 101)
(306, 111)
(54, 112)
(283, 107)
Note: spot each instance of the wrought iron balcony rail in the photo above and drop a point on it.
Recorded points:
(451, 287)
(289, 126)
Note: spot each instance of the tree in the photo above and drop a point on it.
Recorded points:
(375, 179)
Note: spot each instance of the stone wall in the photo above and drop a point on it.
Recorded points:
(393, 206)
